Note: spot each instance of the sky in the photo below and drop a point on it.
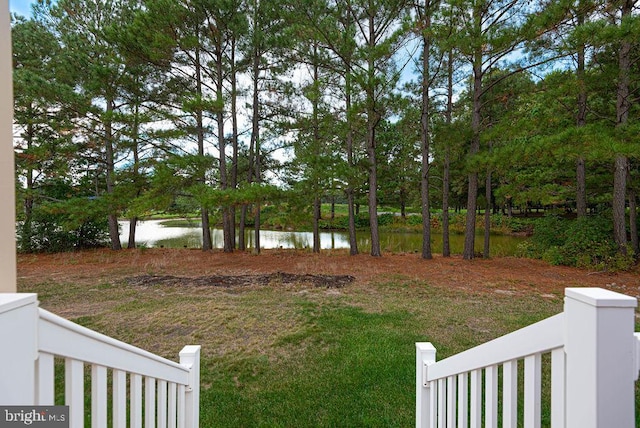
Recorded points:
(21, 7)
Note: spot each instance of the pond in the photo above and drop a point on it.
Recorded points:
(153, 233)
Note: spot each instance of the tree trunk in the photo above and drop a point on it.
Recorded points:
(28, 199)
(372, 121)
(472, 192)
(581, 188)
(373, 192)
(255, 137)
(425, 139)
(227, 232)
(316, 225)
(446, 174)
(234, 136)
(623, 104)
(350, 191)
(353, 243)
(470, 226)
(446, 246)
(133, 221)
(316, 149)
(487, 217)
(619, 205)
(114, 229)
(242, 246)
(204, 211)
(333, 208)
(243, 213)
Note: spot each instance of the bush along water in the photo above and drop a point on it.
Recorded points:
(585, 242)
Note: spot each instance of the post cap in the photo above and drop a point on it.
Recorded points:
(601, 298)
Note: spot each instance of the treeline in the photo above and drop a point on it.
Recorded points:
(125, 108)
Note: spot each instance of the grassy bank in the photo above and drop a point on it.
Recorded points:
(295, 354)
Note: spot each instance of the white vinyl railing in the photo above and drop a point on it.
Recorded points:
(158, 392)
(593, 358)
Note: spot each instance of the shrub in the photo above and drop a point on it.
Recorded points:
(385, 219)
(586, 242)
(527, 249)
(416, 220)
(49, 233)
(549, 232)
(553, 256)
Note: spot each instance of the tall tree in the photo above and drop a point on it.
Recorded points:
(425, 14)
(335, 27)
(581, 116)
(489, 31)
(99, 72)
(623, 105)
(382, 29)
(265, 49)
(44, 150)
(446, 164)
(224, 19)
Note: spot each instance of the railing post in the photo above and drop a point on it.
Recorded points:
(425, 355)
(7, 177)
(190, 358)
(19, 350)
(600, 358)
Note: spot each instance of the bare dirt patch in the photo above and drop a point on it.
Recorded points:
(228, 281)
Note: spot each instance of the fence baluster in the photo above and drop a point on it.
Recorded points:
(119, 398)
(476, 399)
(532, 390)
(98, 396)
(135, 400)
(442, 403)
(491, 397)
(172, 413)
(433, 405)
(45, 390)
(74, 391)
(463, 400)
(451, 402)
(510, 394)
(149, 402)
(162, 404)
(558, 388)
(181, 407)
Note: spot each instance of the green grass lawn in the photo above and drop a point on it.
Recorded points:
(296, 355)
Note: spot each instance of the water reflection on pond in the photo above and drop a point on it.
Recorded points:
(153, 234)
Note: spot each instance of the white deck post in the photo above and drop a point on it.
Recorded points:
(425, 355)
(19, 350)
(190, 358)
(7, 178)
(600, 358)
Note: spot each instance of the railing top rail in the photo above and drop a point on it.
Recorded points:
(541, 337)
(64, 338)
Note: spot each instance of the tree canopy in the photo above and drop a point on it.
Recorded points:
(220, 108)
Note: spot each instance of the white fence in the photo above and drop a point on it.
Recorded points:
(158, 392)
(593, 362)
